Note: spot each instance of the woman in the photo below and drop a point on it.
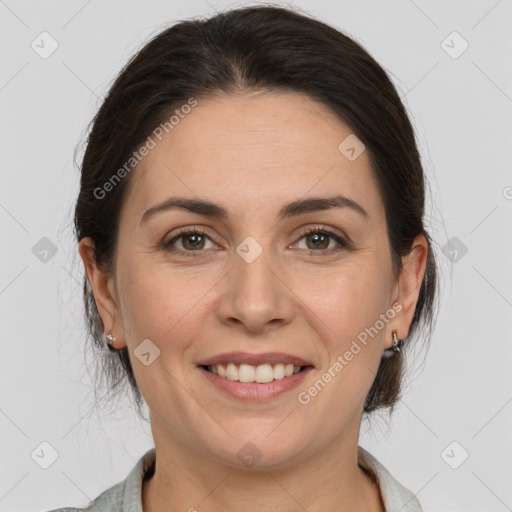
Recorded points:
(250, 219)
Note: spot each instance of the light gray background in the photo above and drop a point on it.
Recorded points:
(462, 110)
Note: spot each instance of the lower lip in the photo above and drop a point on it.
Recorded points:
(253, 390)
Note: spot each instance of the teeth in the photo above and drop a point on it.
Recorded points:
(232, 372)
(264, 373)
(246, 373)
(249, 373)
(279, 371)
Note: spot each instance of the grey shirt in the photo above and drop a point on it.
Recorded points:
(126, 496)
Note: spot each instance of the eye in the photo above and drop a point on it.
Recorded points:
(318, 240)
(191, 240)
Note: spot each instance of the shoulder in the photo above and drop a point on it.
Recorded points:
(111, 500)
(125, 496)
(395, 496)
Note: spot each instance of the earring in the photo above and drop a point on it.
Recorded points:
(395, 347)
(396, 343)
(111, 340)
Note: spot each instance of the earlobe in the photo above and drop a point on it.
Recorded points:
(101, 284)
(409, 285)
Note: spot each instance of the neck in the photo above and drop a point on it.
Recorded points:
(185, 480)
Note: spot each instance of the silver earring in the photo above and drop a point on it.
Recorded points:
(111, 340)
(396, 343)
(395, 347)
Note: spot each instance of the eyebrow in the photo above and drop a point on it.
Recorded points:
(293, 209)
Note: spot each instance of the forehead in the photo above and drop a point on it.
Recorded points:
(253, 149)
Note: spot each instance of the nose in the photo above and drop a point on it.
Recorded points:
(256, 297)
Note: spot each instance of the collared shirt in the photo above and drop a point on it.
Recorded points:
(126, 496)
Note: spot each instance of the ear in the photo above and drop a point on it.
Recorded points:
(407, 289)
(104, 290)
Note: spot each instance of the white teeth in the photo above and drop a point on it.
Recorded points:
(278, 371)
(246, 373)
(232, 372)
(249, 373)
(264, 373)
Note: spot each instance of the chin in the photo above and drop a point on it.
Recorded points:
(256, 449)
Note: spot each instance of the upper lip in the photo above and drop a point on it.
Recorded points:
(254, 359)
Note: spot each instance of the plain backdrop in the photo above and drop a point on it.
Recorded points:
(449, 439)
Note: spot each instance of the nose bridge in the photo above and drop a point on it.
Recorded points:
(256, 296)
(254, 261)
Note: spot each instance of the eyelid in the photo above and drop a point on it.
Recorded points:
(188, 230)
(341, 239)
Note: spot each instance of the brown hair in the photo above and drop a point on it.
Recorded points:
(255, 48)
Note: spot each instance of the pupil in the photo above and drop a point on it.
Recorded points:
(316, 236)
(197, 240)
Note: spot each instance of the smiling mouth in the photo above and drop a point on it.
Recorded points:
(261, 374)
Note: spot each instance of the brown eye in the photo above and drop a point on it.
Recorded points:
(318, 240)
(191, 240)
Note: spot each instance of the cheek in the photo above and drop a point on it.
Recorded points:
(162, 303)
(345, 311)
(347, 299)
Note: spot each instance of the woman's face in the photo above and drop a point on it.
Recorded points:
(255, 283)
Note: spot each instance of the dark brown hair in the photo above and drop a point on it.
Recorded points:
(249, 49)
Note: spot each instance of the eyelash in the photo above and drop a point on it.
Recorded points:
(342, 243)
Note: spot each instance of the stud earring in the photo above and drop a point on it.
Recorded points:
(111, 340)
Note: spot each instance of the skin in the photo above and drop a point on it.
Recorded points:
(252, 153)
